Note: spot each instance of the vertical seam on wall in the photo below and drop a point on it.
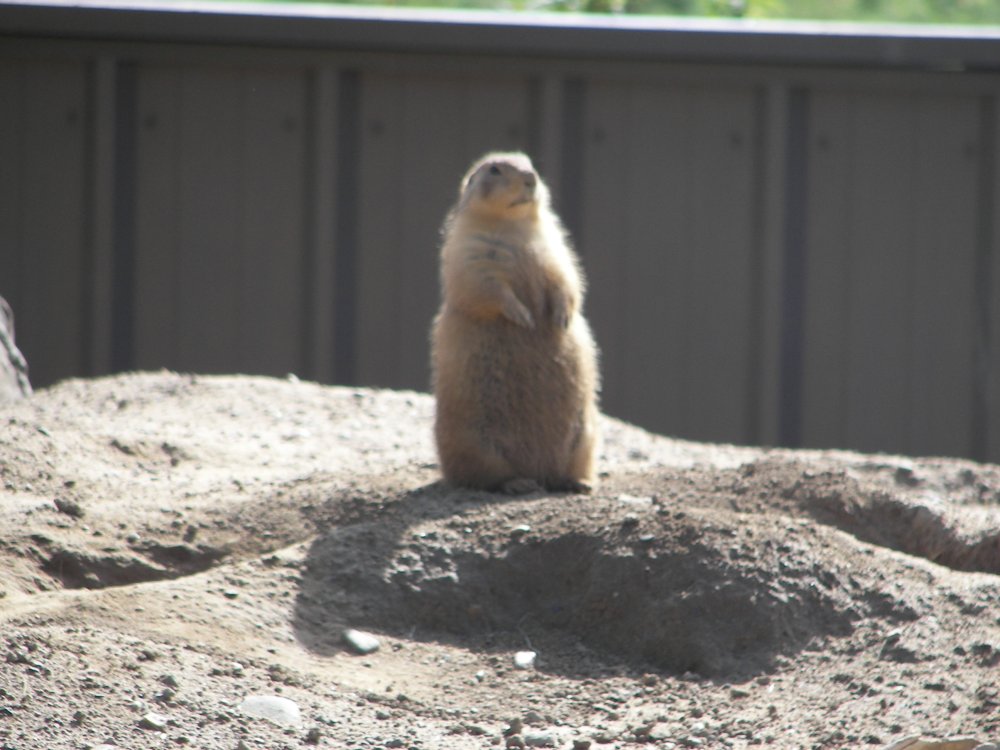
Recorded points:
(124, 191)
(983, 282)
(241, 262)
(793, 291)
(346, 233)
(88, 281)
(307, 308)
(754, 379)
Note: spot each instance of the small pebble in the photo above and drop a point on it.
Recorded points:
(539, 739)
(607, 735)
(643, 731)
(154, 722)
(524, 659)
(360, 641)
(69, 507)
(273, 708)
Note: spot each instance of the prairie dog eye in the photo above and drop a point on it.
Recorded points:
(494, 169)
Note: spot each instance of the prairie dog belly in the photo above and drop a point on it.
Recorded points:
(512, 391)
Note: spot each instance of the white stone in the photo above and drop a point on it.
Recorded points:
(274, 708)
(525, 659)
(360, 641)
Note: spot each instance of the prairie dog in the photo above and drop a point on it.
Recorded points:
(514, 363)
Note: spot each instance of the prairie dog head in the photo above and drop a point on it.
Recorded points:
(503, 185)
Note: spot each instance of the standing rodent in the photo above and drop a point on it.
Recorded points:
(514, 362)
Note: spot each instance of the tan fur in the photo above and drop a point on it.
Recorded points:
(514, 362)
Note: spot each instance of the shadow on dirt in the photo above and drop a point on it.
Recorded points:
(629, 581)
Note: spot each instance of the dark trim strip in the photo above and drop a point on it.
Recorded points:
(123, 242)
(983, 281)
(514, 34)
(345, 302)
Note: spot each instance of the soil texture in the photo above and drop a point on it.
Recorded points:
(171, 545)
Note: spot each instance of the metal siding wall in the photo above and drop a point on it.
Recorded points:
(420, 133)
(220, 222)
(890, 287)
(44, 267)
(668, 237)
(286, 210)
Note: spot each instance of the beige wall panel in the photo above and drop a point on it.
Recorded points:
(380, 238)
(944, 266)
(667, 227)
(272, 285)
(209, 218)
(890, 273)
(45, 222)
(603, 238)
(879, 382)
(419, 135)
(157, 284)
(828, 269)
(219, 220)
(723, 246)
(657, 259)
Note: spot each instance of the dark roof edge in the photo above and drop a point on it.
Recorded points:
(952, 48)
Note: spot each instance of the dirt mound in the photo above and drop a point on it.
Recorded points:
(170, 545)
(632, 578)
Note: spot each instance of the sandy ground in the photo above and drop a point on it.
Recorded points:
(172, 544)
